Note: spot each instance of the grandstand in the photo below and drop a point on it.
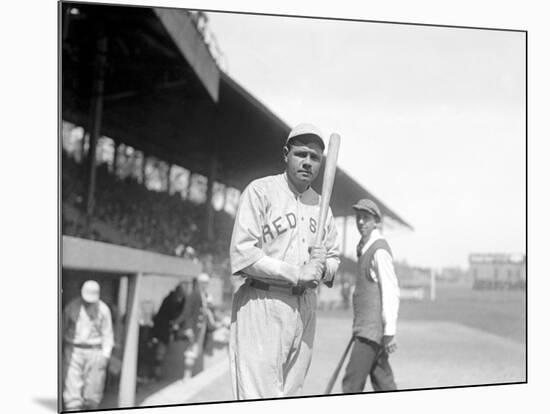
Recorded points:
(155, 149)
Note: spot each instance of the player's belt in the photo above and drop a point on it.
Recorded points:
(84, 346)
(289, 290)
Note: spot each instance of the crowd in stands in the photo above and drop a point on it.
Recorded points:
(127, 213)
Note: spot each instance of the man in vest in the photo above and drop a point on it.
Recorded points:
(375, 306)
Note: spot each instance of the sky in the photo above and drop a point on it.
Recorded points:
(432, 120)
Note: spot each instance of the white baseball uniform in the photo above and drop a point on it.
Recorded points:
(272, 331)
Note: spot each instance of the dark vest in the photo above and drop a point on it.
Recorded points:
(367, 300)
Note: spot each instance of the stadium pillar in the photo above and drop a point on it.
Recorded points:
(189, 183)
(344, 235)
(209, 218)
(143, 165)
(168, 174)
(122, 302)
(83, 145)
(115, 157)
(128, 373)
(96, 117)
(214, 137)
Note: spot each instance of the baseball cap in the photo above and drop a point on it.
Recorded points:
(90, 291)
(369, 206)
(203, 277)
(306, 130)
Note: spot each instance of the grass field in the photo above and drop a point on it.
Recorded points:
(502, 313)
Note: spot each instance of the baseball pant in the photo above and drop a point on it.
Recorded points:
(84, 378)
(368, 358)
(271, 342)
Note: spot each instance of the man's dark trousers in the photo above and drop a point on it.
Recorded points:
(368, 358)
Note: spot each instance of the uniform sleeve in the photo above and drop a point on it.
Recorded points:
(333, 251)
(390, 290)
(270, 268)
(107, 342)
(246, 241)
(246, 252)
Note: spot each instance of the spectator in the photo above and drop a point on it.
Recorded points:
(127, 213)
(164, 325)
(197, 322)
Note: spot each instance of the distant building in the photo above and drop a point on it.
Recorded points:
(455, 275)
(412, 276)
(414, 281)
(497, 271)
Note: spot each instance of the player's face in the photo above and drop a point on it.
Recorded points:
(365, 222)
(303, 161)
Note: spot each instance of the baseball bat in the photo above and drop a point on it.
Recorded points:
(328, 182)
(326, 192)
(338, 368)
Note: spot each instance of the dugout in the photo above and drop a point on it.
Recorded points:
(121, 272)
(149, 78)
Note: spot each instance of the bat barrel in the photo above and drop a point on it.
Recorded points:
(328, 182)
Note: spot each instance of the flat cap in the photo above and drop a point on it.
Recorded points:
(311, 131)
(369, 206)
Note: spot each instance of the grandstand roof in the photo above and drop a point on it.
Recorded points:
(156, 101)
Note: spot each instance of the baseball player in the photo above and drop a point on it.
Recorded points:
(273, 314)
(87, 345)
(375, 306)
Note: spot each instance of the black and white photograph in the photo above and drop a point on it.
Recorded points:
(291, 206)
(260, 207)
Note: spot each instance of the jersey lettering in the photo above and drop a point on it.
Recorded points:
(265, 232)
(291, 218)
(277, 225)
(312, 225)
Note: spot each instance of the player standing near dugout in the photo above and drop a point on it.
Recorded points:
(273, 315)
(375, 306)
(87, 345)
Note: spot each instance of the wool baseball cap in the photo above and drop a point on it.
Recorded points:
(90, 291)
(311, 131)
(369, 206)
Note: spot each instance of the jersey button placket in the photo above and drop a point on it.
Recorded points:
(303, 224)
(303, 245)
(300, 232)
